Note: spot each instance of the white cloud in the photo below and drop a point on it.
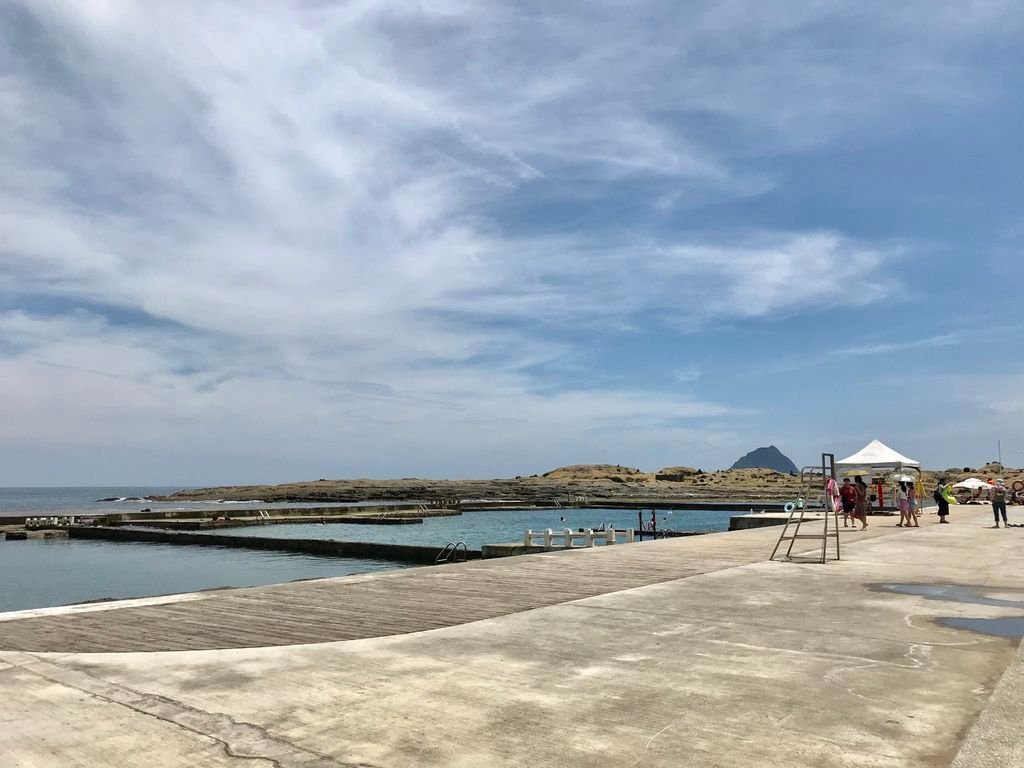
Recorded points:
(687, 375)
(304, 200)
(1000, 396)
(779, 273)
(942, 340)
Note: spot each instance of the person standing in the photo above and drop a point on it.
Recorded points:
(999, 502)
(903, 502)
(950, 496)
(849, 496)
(941, 497)
(913, 503)
(861, 512)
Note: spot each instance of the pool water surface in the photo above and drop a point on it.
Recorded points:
(492, 526)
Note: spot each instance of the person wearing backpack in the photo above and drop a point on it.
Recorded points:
(999, 502)
(942, 499)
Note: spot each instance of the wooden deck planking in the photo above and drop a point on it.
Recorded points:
(380, 604)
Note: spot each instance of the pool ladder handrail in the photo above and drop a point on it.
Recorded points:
(450, 553)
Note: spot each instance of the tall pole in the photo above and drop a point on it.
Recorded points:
(999, 444)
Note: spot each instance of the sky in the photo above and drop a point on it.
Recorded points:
(255, 241)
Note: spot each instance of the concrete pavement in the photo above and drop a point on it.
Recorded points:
(761, 664)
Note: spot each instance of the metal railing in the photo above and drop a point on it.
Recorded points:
(34, 523)
(450, 553)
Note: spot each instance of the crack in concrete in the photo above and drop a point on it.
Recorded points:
(824, 655)
(651, 741)
(926, 651)
(833, 677)
(908, 620)
(239, 740)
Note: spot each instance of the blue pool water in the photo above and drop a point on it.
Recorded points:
(39, 573)
(493, 526)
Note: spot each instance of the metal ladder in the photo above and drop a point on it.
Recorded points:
(797, 515)
(450, 553)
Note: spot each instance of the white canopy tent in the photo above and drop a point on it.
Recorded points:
(876, 456)
(877, 459)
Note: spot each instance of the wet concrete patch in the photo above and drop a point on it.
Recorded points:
(957, 593)
(1010, 626)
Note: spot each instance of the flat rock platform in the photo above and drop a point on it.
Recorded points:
(683, 652)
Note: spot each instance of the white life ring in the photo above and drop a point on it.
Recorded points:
(790, 506)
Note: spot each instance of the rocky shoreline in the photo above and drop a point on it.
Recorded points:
(596, 482)
(612, 484)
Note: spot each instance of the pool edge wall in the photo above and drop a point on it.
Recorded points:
(403, 553)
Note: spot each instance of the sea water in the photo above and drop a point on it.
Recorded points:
(86, 500)
(491, 526)
(39, 573)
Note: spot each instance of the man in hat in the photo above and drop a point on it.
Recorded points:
(999, 501)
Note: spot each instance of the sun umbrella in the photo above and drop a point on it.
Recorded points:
(972, 483)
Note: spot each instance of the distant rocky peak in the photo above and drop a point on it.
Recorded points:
(766, 458)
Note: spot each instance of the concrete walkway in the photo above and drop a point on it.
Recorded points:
(751, 665)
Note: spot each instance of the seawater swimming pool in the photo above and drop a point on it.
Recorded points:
(39, 573)
(491, 526)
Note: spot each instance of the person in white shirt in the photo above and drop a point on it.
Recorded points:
(903, 500)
